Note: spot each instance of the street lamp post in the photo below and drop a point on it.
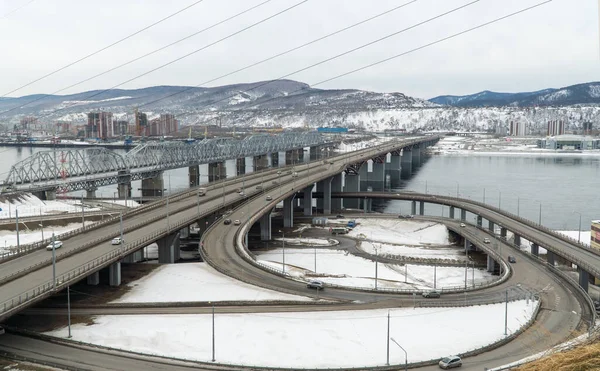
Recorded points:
(53, 263)
(405, 354)
(518, 206)
(540, 217)
(17, 225)
(376, 259)
(387, 360)
(483, 195)
(69, 308)
(283, 250)
(457, 189)
(499, 200)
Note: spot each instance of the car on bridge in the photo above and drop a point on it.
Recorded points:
(431, 294)
(486, 240)
(54, 245)
(315, 284)
(269, 198)
(117, 241)
(463, 225)
(236, 222)
(511, 259)
(450, 362)
(227, 221)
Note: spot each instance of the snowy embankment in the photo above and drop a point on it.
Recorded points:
(340, 268)
(401, 231)
(195, 282)
(308, 241)
(30, 205)
(8, 239)
(311, 339)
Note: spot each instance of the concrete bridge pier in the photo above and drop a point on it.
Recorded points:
(393, 169)
(535, 249)
(124, 186)
(451, 212)
(280, 159)
(416, 156)
(492, 266)
(292, 156)
(336, 186)
(491, 226)
(503, 232)
(550, 258)
(216, 171)
(168, 249)
(377, 178)
(288, 211)
(315, 153)
(421, 208)
(584, 279)
(479, 221)
(324, 203)
(240, 166)
(185, 232)
(153, 187)
(134, 257)
(114, 274)
(517, 240)
(352, 184)
(194, 175)
(261, 162)
(467, 245)
(413, 208)
(368, 205)
(93, 279)
(90, 193)
(249, 165)
(463, 214)
(406, 163)
(300, 155)
(265, 227)
(307, 200)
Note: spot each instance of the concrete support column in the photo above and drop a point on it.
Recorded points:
(550, 258)
(416, 156)
(406, 163)
(479, 221)
(168, 249)
(503, 232)
(315, 153)
(134, 257)
(124, 186)
(308, 200)
(90, 193)
(193, 175)
(377, 177)
(261, 162)
(467, 246)
(93, 279)
(280, 159)
(324, 203)
(216, 171)
(352, 184)
(584, 279)
(413, 208)
(394, 169)
(517, 240)
(249, 165)
(490, 264)
(185, 232)
(288, 211)
(451, 212)
(240, 166)
(51, 194)
(265, 227)
(463, 214)
(300, 155)
(153, 187)
(336, 187)
(421, 208)
(114, 274)
(535, 249)
(491, 226)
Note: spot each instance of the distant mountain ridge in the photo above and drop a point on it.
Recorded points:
(183, 100)
(586, 93)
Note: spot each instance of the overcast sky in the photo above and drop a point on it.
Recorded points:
(551, 46)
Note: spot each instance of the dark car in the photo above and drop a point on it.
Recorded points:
(431, 294)
(511, 259)
(315, 284)
(340, 216)
(227, 221)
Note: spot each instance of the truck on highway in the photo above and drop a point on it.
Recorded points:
(201, 191)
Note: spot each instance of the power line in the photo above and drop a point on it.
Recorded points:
(404, 53)
(352, 50)
(284, 53)
(16, 9)
(43, 96)
(102, 49)
(186, 55)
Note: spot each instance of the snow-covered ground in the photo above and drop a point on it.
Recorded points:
(351, 147)
(396, 231)
(419, 252)
(195, 282)
(29, 205)
(8, 239)
(312, 339)
(340, 268)
(309, 241)
(487, 145)
(585, 236)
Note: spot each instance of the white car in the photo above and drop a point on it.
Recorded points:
(117, 241)
(486, 240)
(236, 222)
(55, 245)
(450, 362)
(463, 225)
